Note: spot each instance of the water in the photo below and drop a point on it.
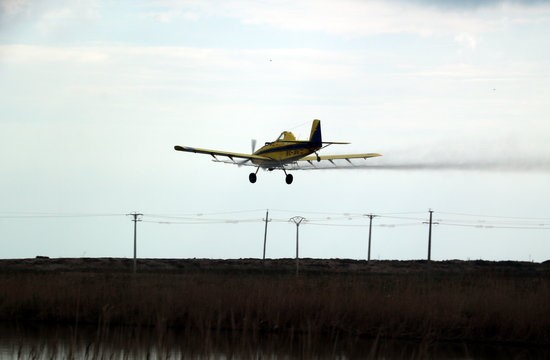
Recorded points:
(66, 342)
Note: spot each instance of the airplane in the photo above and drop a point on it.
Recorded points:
(285, 153)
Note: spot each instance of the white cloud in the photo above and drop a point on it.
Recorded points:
(49, 16)
(31, 54)
(512, 71)
(173, 15)
(363, 18)
(54, 19)
(199, 63)
(467, 40)
(12, 7)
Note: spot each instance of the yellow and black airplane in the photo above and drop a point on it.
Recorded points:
(285, 153)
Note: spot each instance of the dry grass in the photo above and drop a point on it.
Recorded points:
(481, 305)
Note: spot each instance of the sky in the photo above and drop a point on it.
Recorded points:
(95, 94)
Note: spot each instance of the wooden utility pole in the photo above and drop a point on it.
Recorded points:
(430, 235)
(265, 231)
(135, 220)
(370, 233)
(297, 220)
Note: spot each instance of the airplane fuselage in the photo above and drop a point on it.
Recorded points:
(282, 152)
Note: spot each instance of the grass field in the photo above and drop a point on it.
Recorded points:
(473, 301)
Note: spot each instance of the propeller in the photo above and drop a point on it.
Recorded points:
(253, 146)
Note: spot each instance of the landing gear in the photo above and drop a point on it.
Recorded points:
(252, 177)
(289, 179)
(318, 157)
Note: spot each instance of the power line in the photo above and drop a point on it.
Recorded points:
(200, 214)
(326, 219)
(484, 221)
(56, 215)
(318, 212)
(402, 217)
(480, 226)
(204, 222)
(494, 216)
(364, 225)
(498, 221)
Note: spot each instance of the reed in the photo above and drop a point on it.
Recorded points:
(475, 306)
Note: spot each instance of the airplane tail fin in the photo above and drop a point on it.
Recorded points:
(315, 135)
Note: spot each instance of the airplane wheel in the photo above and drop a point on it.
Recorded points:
(252, 178)
(289, 179)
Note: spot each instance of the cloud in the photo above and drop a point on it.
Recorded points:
(355, 18)
(467, 40)
(12, 7)
(32, 54)
(199, 63)
(48, 16)
(467, 5)
(348, 18)
(511, 71)
(10, 12)
(172, 15)
(55, 19)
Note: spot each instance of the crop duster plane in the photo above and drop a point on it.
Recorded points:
(285, 153)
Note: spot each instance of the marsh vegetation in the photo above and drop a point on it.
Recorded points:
(475, 302)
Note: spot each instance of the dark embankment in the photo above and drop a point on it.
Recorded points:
(504, 302)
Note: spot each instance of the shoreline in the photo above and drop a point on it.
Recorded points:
(282, 265)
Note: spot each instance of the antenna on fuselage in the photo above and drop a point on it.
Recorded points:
(297, 126)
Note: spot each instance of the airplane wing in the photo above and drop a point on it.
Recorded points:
(215, 153)
(340, 157)
(329, 161)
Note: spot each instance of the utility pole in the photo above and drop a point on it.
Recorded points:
(370, 233)
(430, 235)
(135, 220)
(297, 220)
(265, 231)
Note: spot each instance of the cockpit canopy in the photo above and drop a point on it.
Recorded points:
(286, 136)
